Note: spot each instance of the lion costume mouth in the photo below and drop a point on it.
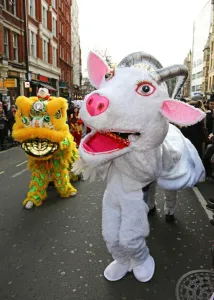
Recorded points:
(107, 142)
(39, 147)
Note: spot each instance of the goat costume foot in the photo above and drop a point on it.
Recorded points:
(145, 271)
(116, 271)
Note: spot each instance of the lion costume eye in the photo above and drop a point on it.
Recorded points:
(58, 114)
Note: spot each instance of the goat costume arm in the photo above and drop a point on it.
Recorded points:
(188, 168)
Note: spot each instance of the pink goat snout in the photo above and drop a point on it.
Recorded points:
(96, 104)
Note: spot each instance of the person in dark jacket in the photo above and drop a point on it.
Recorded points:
(11, 120)
(208, 155)
(3, 127)
(196, 133)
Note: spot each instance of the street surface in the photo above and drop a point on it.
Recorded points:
(56, 251)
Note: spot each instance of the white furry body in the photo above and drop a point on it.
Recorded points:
(174, 164)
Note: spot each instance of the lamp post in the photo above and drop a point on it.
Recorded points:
(26, 44)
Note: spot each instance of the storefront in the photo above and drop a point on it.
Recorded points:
(63, 90)
(11, 85)
(38, 81)
(76, 93)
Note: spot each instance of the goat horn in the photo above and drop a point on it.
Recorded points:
(179, 71)
(139, 57)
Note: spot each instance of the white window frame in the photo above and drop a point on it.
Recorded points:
(45, 50)
(32, 8)
(54, 25)
(5, 4)
(44, 17)
(54, 4)
(33, 43)
(6, 42)
(13, 7)
(15, 47)
(54, 54)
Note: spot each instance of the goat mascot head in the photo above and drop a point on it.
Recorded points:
(131, 108)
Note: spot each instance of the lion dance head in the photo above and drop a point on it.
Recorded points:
(41, 124)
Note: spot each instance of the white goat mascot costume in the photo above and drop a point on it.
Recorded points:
(131, 145)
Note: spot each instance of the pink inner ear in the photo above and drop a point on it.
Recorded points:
(181, 113)
(97, 68)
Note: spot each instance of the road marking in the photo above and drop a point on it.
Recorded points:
(19, 173)
(1, 172)
(21, 163)
(203, 202)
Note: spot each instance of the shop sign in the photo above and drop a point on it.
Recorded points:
(33, 76)
(43, 78)
(14, 74)
(62, 85)
(27, 84)
(8, 83)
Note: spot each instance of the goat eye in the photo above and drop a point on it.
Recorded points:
(109, 75)
(145, 89)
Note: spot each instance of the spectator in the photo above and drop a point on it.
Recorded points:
(3, 127)
(196, 133)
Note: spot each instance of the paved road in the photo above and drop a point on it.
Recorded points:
(56, 252)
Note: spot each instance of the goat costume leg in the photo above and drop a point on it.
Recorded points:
(125, 226)
(170, 202)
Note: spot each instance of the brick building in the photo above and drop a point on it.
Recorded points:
(43, 41)
(187, 85)
(12, 66)
(49, 41)
(64, 28)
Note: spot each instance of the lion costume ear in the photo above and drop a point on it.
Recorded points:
(181, 113)
(97, 68)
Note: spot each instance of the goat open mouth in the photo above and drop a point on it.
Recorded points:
(39, 147)
(107, 142)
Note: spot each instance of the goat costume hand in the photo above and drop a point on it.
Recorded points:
(78, 166)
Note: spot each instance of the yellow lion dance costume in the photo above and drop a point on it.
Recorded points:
(44, 135)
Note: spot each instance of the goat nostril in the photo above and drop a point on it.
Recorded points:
(90, 101)
(100, 106)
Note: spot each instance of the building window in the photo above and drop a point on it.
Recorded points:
(15, 46)
(6, 43)
(60, 26)
(193, 88)
(5, 4)
(54, 26)
(13, 2)
(32, 8)
(33, 44)
(54, 57)
(44, 16)
(54, 3)
(45, 51)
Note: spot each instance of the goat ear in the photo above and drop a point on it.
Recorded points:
(181, 113)
(97, 68)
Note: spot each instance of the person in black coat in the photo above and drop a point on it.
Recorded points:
(196, 133)
(3, 128)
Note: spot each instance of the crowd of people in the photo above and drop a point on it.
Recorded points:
(201, 136)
